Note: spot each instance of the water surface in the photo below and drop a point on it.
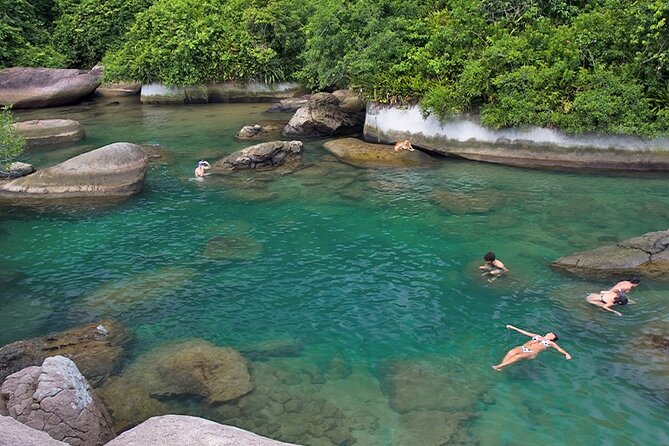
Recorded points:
(374, 269)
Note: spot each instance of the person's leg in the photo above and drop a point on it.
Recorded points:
(512, 352)
(514, 359)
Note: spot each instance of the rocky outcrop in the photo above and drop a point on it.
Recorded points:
(157, 93)
(363, 154)
(114, 170)
(535, 147)
(18, 434)
(261, 130)
(260, 156)
(56, 399)
(323, 116)
(16, 170)
(96, 349)
(41, 132)
(179, 430)
(118, 89)
(46, 87)
(290, 105)
(350, 101)
(647, 255)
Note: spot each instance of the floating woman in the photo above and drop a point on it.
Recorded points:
(531, 348)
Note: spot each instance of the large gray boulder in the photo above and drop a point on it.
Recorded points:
(114, 170)
(46, 87)
(363, 154)
(57, 399)
(18, 434)
(261, 156)
(323, 116)
(647, 255)
(180, 430)
(41, 132)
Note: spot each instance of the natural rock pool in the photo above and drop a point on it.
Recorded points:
(353, 293)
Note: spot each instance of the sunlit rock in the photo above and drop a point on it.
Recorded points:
(118, 89)
(363, 154)
(42, 132)
(56, 398)
(15, 433)
(323, 116)
(647, 255)
(178, 430)
(16, 170)
(46, 87)
(522, 146)
(265, 155)
(115, 170)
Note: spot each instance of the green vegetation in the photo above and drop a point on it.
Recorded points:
(579, 65)
(11, 143)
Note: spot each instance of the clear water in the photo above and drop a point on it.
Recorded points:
(362, 265)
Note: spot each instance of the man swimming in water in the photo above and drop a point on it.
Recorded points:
(530, 349)
(201, 167)
(492, 266)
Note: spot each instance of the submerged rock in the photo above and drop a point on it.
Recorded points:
(46, 87)
(647, 255)
(194, 367)
(457, 202)
(117, 297)
(260, 156)
(57, 399)
(42, 132)
(96, 348)
(114, 170)
(363, 154)
(233, 247)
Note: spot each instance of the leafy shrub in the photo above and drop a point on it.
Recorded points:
(11, 142)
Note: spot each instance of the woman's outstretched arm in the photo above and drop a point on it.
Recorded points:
(561, 350)
(526, 333)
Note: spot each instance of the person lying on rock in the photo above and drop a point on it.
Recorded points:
(201, 167)
(530, 349)
(403, 145)
(607, 299)
(492, 266)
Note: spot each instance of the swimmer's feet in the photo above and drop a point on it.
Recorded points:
(498, 368)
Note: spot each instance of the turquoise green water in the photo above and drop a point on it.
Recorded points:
(373, 268)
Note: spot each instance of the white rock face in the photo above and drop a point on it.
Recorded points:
(465, 137)
(181, 430)
(383, 122)
(56, 398)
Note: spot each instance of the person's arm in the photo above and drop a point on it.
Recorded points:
(558, 348)
(526, 333)
(608, 308)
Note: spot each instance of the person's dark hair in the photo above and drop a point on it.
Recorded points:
(621, 299)
(489, 257)
(635, 279)
(555, 338)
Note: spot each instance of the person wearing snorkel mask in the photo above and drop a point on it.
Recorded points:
(201, 167)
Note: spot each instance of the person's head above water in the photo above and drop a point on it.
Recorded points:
(551, 336)
(489, 257)
(621, 299)
(635, 279)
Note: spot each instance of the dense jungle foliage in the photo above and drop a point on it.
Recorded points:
(579, 65)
